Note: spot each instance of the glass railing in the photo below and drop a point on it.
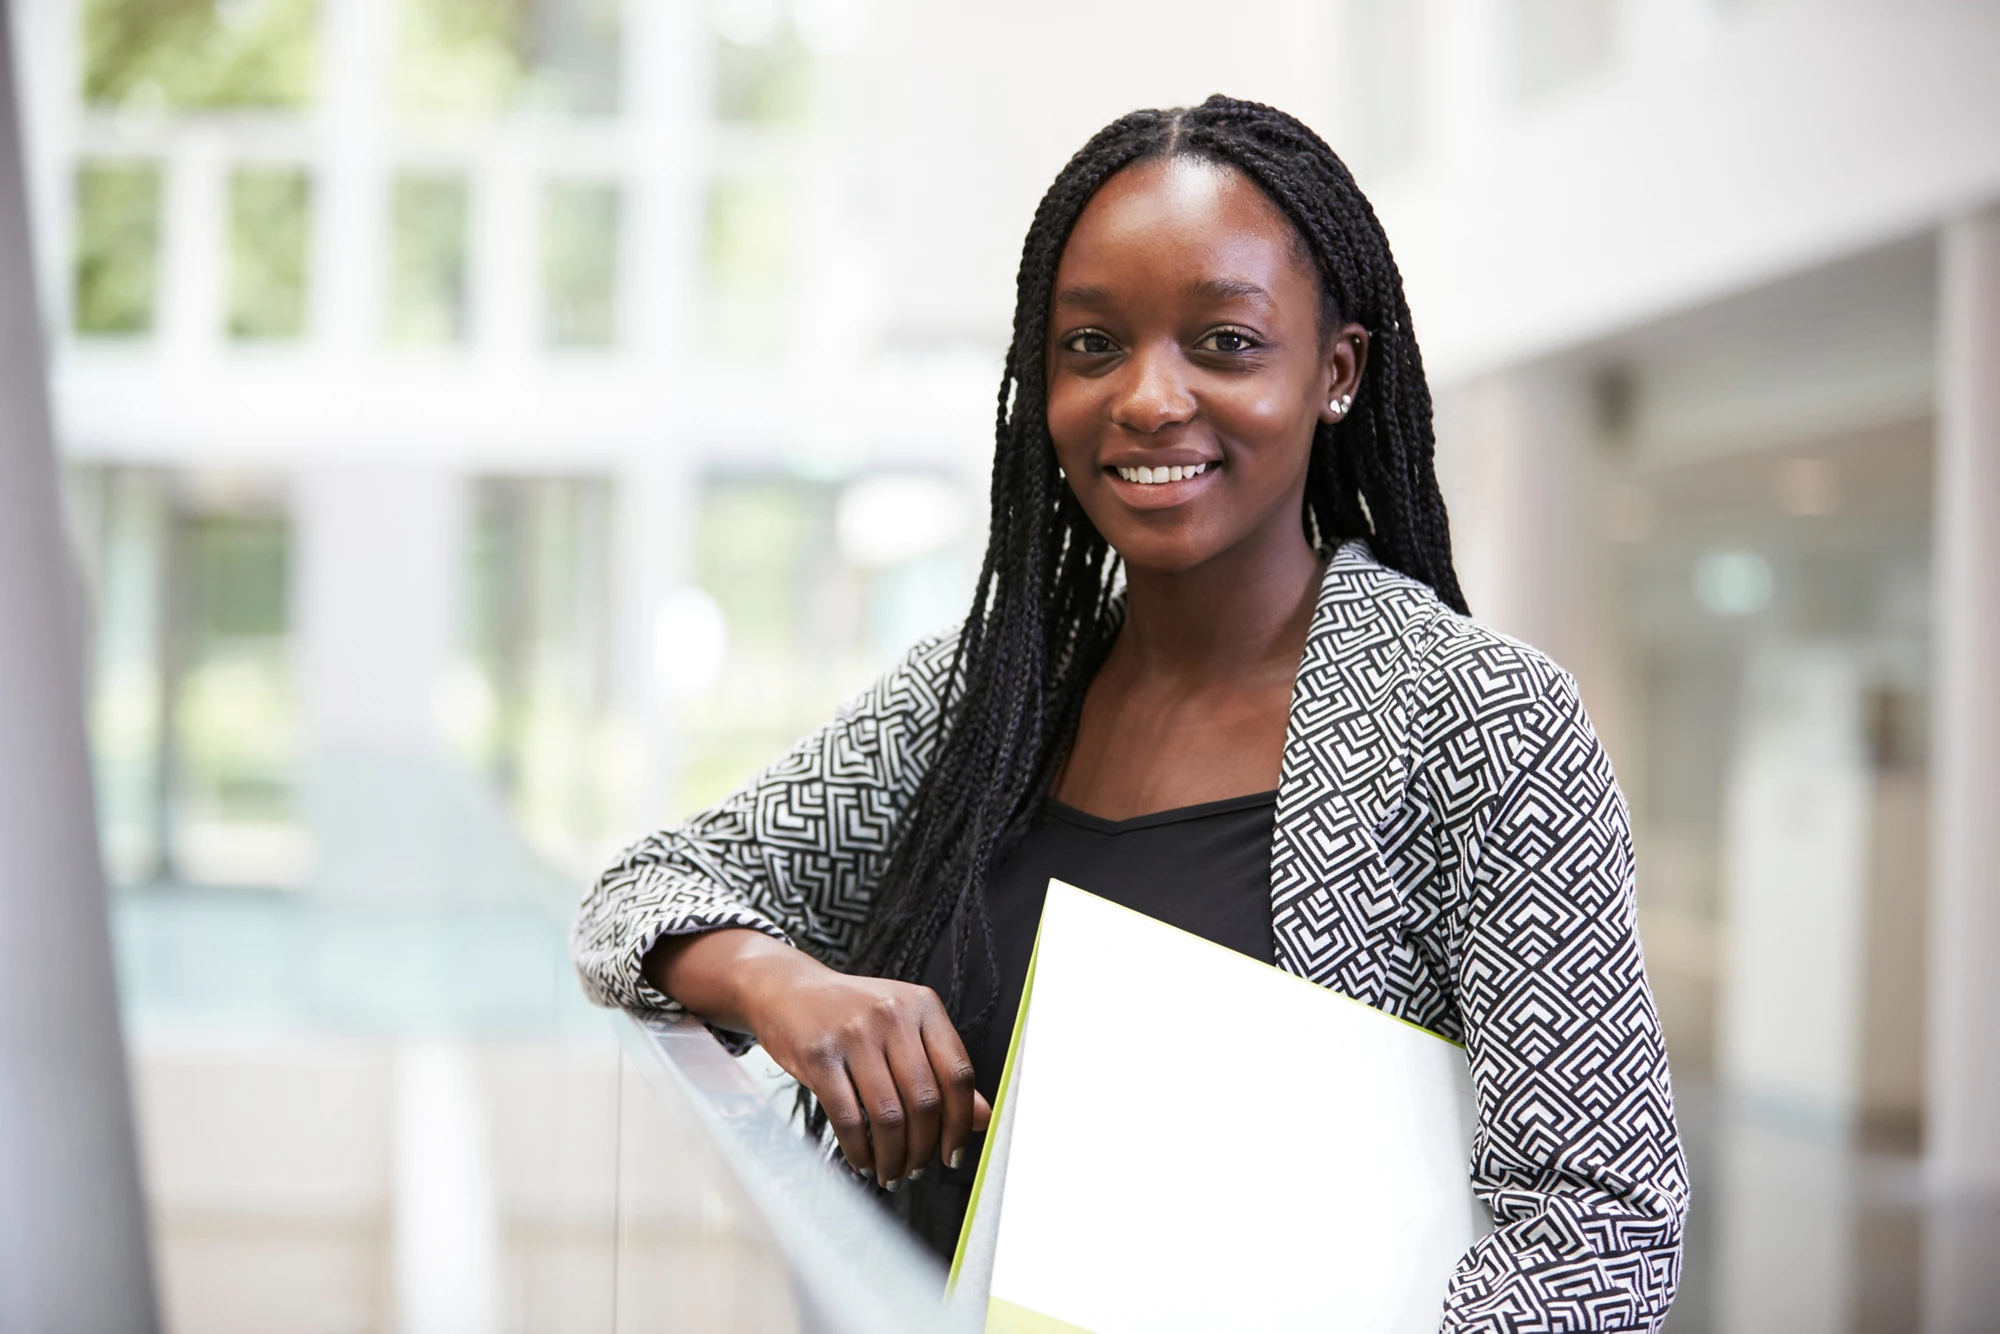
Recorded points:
(728, 1219)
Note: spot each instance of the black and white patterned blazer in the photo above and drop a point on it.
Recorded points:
(1450, 847)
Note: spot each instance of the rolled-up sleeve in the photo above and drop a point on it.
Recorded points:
(1576, 1152)
(795, 853)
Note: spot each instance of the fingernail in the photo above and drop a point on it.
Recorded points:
(957, 1157)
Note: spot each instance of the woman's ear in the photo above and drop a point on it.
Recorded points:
(1346, 358)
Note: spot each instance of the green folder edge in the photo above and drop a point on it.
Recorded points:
(1006, 1083)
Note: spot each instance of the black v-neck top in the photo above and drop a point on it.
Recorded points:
(1205, 869)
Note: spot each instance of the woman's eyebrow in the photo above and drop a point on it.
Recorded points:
(1084, 296)
(1212, 289)
(1227, 289)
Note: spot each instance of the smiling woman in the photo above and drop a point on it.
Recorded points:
(1281, 732)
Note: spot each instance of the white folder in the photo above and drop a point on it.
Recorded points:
(1188, 1139)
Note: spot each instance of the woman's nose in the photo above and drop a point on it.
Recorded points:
(1154, 393)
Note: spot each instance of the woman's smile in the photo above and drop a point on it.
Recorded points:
(1162, 483)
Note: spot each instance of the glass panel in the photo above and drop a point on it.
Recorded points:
(200, 53)
(580, 238)
(117, 247)
(728, 1220)
(270, 216)
(481, 57)
(429, 245)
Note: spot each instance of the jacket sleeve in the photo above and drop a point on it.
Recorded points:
(1576, 1151)
(795, 853)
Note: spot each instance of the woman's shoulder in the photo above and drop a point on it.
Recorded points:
(913, 688)
(1446, 649)
(1472, 705)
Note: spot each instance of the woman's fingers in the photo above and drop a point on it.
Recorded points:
(923, 1096)
(982, 1112)
(953, 1070)
(831, 1084)
(883, 1104)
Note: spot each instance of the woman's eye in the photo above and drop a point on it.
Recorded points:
(1089, 343)
(1227, 340)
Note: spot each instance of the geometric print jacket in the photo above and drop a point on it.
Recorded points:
(1450, 847)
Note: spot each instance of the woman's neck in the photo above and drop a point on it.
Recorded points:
(1251, 606)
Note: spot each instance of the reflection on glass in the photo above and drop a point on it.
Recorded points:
(270, 214)
(199, 53)
(117, 248)
(580, 236)
(429, 244)
(481, 58)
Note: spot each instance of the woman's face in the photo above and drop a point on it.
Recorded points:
(1185, 343)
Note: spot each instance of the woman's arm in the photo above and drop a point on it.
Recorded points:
(1576, 1151)
(794, 853)
(705, 917)
(882, 1057)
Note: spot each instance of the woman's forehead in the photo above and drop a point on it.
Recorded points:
(1182, 214)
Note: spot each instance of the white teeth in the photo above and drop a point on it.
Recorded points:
(1154, 476)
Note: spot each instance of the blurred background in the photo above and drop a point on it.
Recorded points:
(493, 428)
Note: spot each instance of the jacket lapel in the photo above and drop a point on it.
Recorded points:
(1335, 906)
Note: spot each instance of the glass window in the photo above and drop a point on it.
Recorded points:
(429, 244)
(196, 54)
(234, 713)
(822, 584)
(527, 704)
(1559, 42)
(762, 67)
(580, 235)
(750, 255)
(193, 711)
(117, 247)
(478, 57)
(270, 213)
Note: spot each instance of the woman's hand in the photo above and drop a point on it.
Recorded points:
(882, 1057)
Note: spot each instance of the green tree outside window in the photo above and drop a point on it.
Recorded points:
(270, 211)
(580, 231)
(428, 260)
(199, 54)
(485, 57)
(117, 239)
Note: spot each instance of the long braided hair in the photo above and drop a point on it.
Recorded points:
(1043, 617)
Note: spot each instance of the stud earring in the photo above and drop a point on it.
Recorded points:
(1339, 406)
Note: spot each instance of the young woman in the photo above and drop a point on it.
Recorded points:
(1281, 732)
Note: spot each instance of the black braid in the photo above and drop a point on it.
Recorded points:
(1043, 616)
